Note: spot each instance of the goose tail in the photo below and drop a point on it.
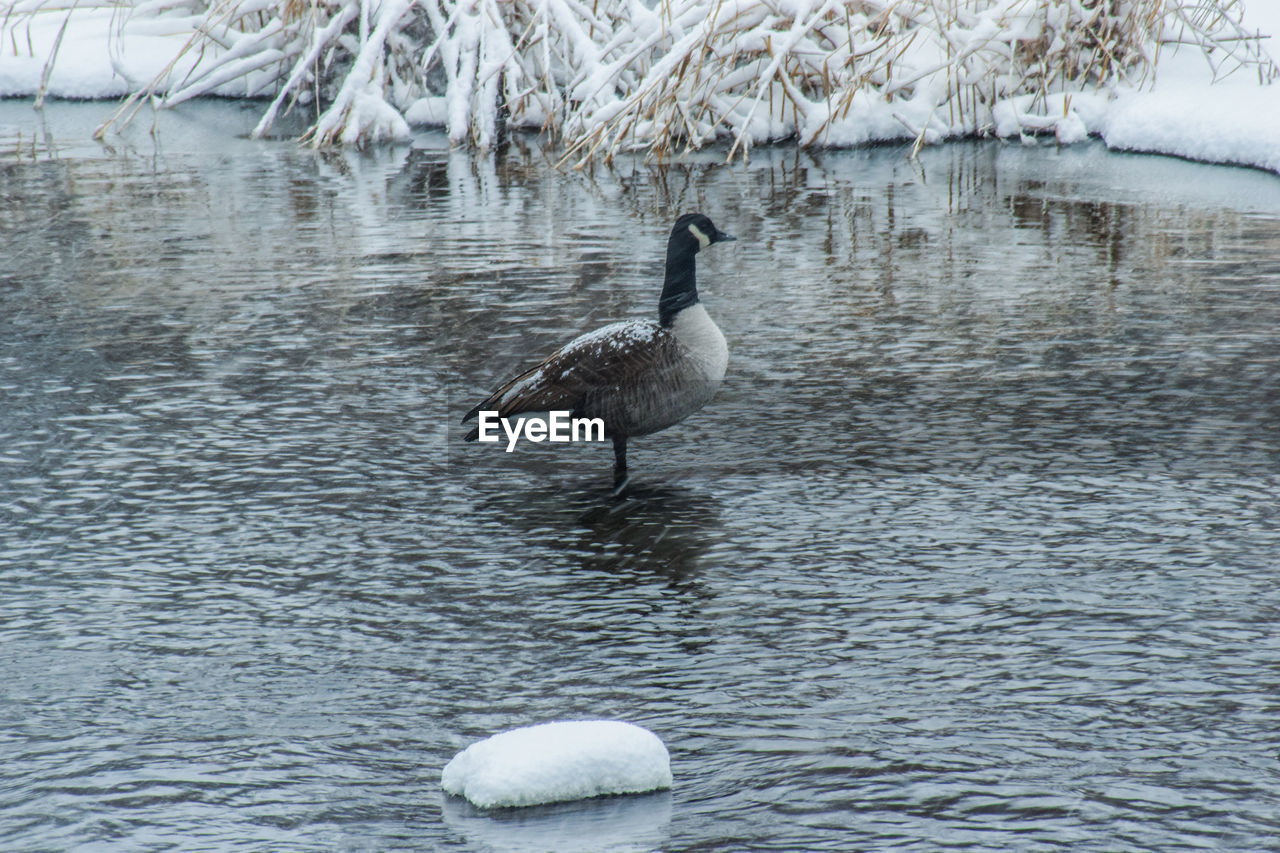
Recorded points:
(475, 430)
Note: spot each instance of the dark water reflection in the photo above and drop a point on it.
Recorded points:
(976, 549)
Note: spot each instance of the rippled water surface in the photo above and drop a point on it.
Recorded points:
(976, 549)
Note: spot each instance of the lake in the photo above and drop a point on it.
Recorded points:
(976, 548)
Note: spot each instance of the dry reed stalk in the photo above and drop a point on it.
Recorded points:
(609, 76)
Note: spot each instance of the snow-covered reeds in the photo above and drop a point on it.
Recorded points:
(843, 72)
(349, 56)
(840, 73)
(1217, 29)
(609, 76)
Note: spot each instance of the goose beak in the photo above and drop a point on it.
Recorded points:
(722, 237)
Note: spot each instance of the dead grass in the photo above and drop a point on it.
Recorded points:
(608, 76)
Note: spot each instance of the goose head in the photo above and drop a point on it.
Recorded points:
(693, 232)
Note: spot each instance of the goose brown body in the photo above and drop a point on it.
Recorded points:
(640, 376)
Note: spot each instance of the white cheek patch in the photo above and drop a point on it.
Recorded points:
(703, 239)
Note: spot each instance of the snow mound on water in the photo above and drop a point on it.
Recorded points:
(554, 762)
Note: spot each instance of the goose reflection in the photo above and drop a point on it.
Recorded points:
(656, 528)
(660, 528)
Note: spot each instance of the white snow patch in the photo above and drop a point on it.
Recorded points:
(555, 762)
(1071, 117)
(1234, 120)
(94, 52)
(1202, 113)
(372, 119)
(432, 111)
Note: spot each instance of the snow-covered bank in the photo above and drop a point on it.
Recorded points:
(105, 50)
(1234, 120)
(622, 76)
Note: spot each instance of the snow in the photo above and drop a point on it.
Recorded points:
(359, 113)
(87, 64)
(556, 762)
(98, 49)
(101, 53)
(430, 111)
(1232, 121)
(1068, 117)
(1188, 113)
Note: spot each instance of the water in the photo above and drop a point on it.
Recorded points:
(975, 550)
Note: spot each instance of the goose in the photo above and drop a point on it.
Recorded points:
(637, 376)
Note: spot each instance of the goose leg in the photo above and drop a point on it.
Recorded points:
(619, 462)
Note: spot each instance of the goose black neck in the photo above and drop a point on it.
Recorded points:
(680, 290)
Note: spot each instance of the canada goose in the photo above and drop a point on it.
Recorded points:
(638, 376)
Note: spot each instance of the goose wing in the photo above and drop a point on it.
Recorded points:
(609, 357)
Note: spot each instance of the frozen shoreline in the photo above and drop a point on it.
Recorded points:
(99, 54)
